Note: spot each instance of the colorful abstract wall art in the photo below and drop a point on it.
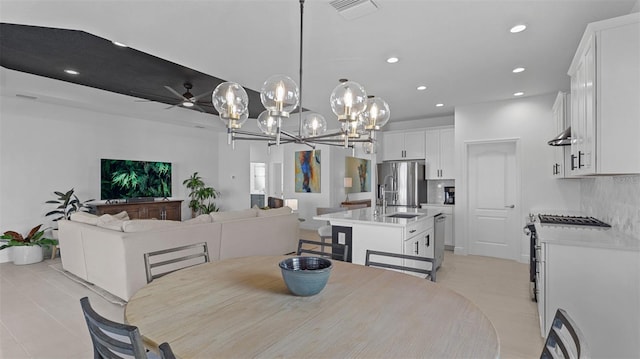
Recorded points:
(359, 170)
(307, 171)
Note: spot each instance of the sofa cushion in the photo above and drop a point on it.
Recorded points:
(274, 212)
(203, 218)
(109, 222)
(143, 225)
(84, 217)
(231, 215)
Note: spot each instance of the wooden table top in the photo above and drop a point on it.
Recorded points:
(240, 307)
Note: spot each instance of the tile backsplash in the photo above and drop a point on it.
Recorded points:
(615, 200)
(435, 190)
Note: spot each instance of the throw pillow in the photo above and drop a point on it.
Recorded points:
(84, 217)
(274, 212)
(143, 225)
(203, 218)
(231, 215)
(123, 216)
(109, 222)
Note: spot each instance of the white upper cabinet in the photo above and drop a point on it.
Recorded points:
(439, 153)
(605, 88)
(561, 116)
(404, 145)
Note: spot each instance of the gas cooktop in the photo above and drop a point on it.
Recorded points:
(571, 220)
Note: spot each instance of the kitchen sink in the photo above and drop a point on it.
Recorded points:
(403, 215)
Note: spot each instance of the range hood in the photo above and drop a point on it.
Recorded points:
(563, 139)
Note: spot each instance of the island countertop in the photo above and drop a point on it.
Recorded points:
(368, 216)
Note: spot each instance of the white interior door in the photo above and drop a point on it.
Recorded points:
(492, 188)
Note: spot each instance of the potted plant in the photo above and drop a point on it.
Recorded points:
(68, 203)
(201, 196)
(27, 249)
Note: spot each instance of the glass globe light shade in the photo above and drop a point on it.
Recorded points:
(376, 114)
(231, 101)
(267, 123)
(348, 100)
(369, 147)
(313, 125)
(280, 95)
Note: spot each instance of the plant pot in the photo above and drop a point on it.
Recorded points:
(27, 255)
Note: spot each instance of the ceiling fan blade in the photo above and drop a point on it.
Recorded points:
(170, 107)
(196, 98)
(177, 94)
(198, 108)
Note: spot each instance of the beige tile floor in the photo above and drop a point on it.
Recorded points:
(40, 313)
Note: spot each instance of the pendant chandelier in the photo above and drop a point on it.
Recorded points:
(360, 116)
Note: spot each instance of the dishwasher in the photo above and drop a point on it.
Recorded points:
(438, 249)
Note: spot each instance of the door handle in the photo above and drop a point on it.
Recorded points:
(511, 206)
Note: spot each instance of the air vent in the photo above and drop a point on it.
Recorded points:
(352, 9)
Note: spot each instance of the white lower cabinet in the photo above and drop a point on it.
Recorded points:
(420, 245)
(600, 289)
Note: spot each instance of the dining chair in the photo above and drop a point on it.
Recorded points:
(565, 337)
(111, 339)
(168, 260)
(338, 251)
(165, 351)
(430, 273)
(325, 231)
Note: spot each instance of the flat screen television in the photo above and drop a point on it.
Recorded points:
(123, 179)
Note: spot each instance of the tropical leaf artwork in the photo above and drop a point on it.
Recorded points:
(130, 179)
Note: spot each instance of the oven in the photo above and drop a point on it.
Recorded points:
(535, 255)
(530, 230)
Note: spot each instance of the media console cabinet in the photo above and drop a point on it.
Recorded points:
(163, 210)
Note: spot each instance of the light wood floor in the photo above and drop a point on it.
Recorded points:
(40, 314)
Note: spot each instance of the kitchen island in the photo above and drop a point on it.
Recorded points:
(399, 230)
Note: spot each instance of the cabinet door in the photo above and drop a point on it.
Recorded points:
(577, 116)
(414, 145)
(558, 166)
(586, 159)
(447, 141)
(432, 146)
(414, 246)
(393, 146)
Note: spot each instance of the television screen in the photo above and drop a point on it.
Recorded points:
(122, 179)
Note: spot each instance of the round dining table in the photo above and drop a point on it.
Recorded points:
(241, 307)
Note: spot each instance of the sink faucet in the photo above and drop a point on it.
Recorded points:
(384, 191)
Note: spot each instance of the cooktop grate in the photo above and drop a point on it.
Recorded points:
(571, 220)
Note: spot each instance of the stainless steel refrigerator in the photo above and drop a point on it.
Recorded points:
(402, 182)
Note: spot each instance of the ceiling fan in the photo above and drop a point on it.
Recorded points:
(187, 99)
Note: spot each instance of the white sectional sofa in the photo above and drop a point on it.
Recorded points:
(108, 252)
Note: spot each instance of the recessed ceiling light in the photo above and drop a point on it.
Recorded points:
(518, 28)
(187, 104)
(518, 70)
(518, 94)
(422, 88)
(392, 60)
(119, 44)
(439, 104)
(71, 72)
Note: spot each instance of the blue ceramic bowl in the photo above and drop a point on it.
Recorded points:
(305, 276)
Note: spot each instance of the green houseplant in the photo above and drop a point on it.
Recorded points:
(27, 249)
(68, 203)
(201, 196)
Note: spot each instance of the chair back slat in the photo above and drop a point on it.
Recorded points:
(338, 251)
(565, 336)
(429, 273)
(108, 337)
(165, 266)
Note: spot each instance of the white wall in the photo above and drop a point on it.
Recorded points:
(46, 148)
(530, 120)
